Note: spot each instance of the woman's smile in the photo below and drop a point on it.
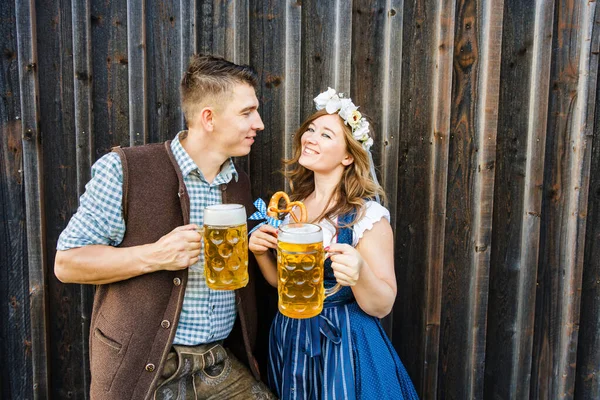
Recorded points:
(309, 152)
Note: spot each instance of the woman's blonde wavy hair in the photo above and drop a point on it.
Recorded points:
(355, 187)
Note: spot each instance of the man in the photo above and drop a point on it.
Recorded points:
(157, 330)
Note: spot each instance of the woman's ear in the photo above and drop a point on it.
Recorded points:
(347, 160)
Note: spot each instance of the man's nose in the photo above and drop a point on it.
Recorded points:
(258, 123)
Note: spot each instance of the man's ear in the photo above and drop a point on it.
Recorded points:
(206, 118)
(347, 160)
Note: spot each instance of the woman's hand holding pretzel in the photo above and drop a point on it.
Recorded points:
(262, 239)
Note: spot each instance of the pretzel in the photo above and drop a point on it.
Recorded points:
(273, 210)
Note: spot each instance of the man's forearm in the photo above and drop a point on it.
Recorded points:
(100, 264)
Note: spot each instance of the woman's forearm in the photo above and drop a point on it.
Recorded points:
(375, 296)
(268, 267)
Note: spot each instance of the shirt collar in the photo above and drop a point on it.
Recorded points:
(187, 165)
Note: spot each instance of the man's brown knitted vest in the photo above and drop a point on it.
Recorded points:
(134, 321)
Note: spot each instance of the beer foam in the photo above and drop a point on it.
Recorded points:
(225, 215)
(300, 233)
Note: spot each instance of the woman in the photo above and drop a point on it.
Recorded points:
(344, 352)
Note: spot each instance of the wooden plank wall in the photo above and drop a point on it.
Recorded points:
(15, 329)
(487, 143)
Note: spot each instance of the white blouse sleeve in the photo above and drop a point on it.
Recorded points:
(373, 213)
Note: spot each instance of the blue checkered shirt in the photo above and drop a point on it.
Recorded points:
(207, 315)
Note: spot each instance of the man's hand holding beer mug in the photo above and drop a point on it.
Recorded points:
(178, 249)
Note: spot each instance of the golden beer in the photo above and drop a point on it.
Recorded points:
(225, 247)
(300, 259)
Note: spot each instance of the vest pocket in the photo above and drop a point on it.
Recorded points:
(108, 348)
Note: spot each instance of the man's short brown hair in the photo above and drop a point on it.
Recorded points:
(209, 80)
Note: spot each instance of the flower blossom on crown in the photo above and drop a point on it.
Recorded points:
(334, 102)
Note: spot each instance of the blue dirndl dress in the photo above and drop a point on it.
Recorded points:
(343, 353)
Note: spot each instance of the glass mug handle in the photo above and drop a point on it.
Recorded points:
(200, 230)
(334, 289)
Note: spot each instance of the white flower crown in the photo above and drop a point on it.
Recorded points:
(335, 102)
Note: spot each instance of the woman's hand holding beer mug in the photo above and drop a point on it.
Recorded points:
(178, 249)
(261, 240)
(346, 263)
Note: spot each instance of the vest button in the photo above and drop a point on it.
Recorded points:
(150, 367)
(165, 324)
(177, 281)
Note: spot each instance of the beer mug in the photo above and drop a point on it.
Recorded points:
(300, 268)
(225, 246)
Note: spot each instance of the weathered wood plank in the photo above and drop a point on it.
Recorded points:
(375, 86)
(293, 74)
(15, 334)
(470, 196)
(439, 134)
(164, 65)
(564, 212)
(32, 172)
(279, 79)
(224, 29)
(110, 70)
(526, 50)
(57, 113)
(136, 55)
(239, 50)
(83, 86)
(189, 36)
(587, 385)
(326, 50)
(205, 34)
